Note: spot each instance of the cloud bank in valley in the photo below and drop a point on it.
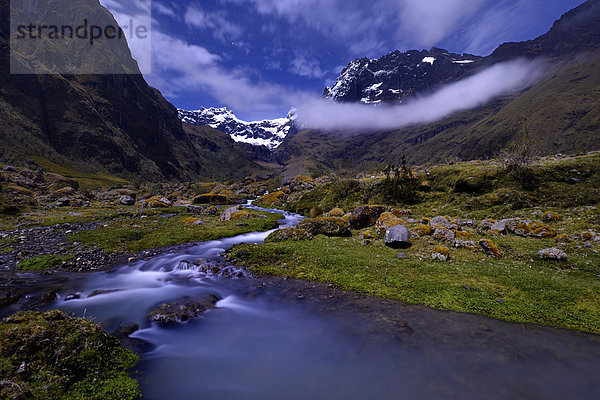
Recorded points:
(471, 92)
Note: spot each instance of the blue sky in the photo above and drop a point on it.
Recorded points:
(258, 57)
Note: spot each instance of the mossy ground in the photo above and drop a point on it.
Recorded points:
(52, 356)
(137, 234)
(42, 262)
(518, 287)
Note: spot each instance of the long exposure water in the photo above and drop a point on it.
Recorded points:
(259, 347)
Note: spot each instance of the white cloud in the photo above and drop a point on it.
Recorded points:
(164, 10)
(217, 22)
(367, 28)
(180, 67)
(308, 67)
(469, 93)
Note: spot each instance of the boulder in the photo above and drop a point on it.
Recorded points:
(365, 216)
(398, 237)
(184, 309)
(211, 198)
(336, 212)
(234, 214)
(443, 234)
(490, 248)
(127, 200)
(440, 253)
(386, 221)
(443, 222)
(500, 226)
(328, 226)
(281, 235)
(157, 202)
(552, 254)
(423, 230)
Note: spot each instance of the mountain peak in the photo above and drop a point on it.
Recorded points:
(398, 75)
(268, 133)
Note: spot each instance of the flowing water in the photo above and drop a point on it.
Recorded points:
(260, 347)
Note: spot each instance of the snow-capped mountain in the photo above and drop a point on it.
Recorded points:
(396, 76)
(269, 133)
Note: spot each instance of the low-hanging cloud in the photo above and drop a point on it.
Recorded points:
(463, 95)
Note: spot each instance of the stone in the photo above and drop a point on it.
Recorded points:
(184, 309)
(445, 235)
(336, 212)
(423, 230)
(157, 202)
(328, 226)
(365, 216)
(127, 200)
(440, 253)
(288, 234)
(401, 255)
(398, 237)
(552, 254)
(490, 248)
(386, 221)
(234, 214)
(443, 222)
(500, 226)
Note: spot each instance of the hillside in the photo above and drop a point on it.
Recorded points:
(111, 123)
(560, 112)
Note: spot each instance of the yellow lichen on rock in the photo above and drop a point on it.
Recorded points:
(490, 248)
(423, 230)
(386, 221)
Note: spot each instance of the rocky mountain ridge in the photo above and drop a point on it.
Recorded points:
(268, 133)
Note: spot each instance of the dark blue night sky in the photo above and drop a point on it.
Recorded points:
(257, 56)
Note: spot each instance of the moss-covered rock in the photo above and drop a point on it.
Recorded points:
(490, 248)
(386, 221)
(53, 356)
(366, 216)
(157, 202)
(211, 198)
(281, 235)
(552, 216)
(440, 253)
(336, 212)
(423, 230)
(328, 226)
(272, 199)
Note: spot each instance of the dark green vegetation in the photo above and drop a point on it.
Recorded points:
(138, 234)
(563, 193)
(52, 356)
(44, 262)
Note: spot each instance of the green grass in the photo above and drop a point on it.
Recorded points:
(518, 288)
(42, 262)
(86, 178)
(137, 234)
(64, 358)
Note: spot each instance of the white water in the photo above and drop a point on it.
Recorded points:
(258, 347)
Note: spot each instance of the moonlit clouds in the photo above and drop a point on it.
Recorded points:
(468, 93)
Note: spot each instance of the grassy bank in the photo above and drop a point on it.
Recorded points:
(518, 288)
(143, 233)
(561, 193)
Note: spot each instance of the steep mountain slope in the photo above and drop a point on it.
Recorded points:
(112, 123)
(561, 112)
(268, 133)
(224, 158)
(396, 76)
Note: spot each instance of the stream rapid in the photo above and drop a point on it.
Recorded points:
(257, 346)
